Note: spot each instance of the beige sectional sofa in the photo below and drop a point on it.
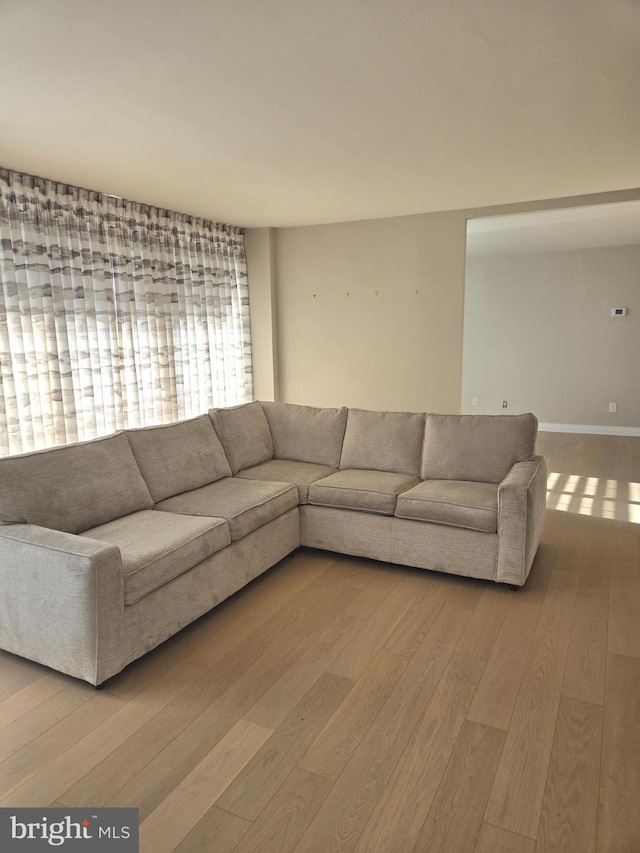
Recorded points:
(109, 547)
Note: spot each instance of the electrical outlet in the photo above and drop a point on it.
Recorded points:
(475, 401)
(504, 404)
(613, 408)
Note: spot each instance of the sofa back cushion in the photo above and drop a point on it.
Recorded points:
(383, 441)
(178, 457)
(480, 448)
(73, 488)
(306, 433)
(244, 433)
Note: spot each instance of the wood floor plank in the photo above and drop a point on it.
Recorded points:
(86, 752)
(155, 780)
(40, 720)
(373, 594)
(493, 839)
(254, 787)
(483, 628)
(228, 631)
(407, 636)
(596, 563)
(8, 662)
(37, 754)
(17, 679)
(619, 817)
(331, 751)
(358, 653)
(34, 694)
(468, 591)
(516, 798)
(624, 593)
(216, 831)
(117, 769)
(572, 543)
(288, 815)
(399, 814)
(584, 676)
(272, 708)
(262, 643)
(570, 808)
(189, 801)
(362, 571)
(498, 689)
(343, 815)
(455, 818)
(623, 456)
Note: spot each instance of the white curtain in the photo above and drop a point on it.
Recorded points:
(113, 314)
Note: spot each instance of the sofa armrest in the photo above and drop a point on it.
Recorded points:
(522, 497)
(61, 601)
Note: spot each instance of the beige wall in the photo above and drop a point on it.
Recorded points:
(396, 350)
(539, 333)
(395, 341)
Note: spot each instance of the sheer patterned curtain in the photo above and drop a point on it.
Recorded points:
(113, 314)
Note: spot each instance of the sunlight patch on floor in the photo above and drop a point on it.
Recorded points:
(595, 496)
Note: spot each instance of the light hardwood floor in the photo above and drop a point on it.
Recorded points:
(339, 704)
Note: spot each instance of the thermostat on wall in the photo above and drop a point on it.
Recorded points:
(618, 312)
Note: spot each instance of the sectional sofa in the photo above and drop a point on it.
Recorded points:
(109, 547)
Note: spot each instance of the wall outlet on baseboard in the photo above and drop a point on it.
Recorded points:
(504, 404)
(613, 408)
(475, 401)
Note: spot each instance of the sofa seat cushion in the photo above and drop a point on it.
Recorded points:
(156, 548)
(301, 474)
(369, 491)
(244, 504)
(454, 502)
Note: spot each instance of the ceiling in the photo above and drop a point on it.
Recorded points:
(555, 230)
(288, 112)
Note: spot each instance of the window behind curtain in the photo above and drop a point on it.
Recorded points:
(113, 314)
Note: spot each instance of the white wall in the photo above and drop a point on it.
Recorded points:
(538, 333)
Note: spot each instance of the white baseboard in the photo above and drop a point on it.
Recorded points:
(589, 429)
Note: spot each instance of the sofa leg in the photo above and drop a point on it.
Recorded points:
(515, 587)
(98, 686)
